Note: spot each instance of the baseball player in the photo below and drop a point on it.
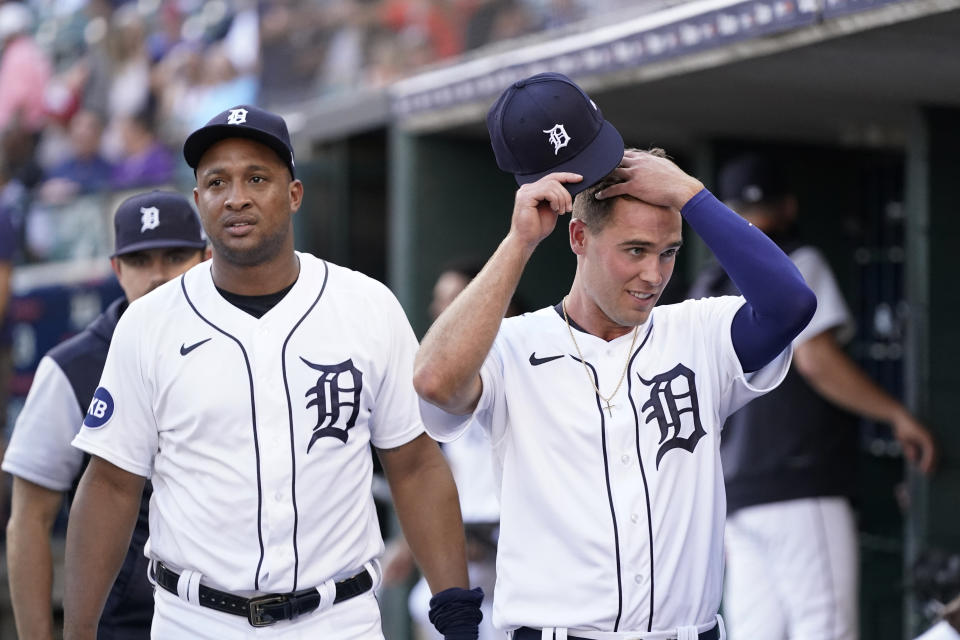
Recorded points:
(158, 237)
(604, 411)
(791, 543)
(249, 391)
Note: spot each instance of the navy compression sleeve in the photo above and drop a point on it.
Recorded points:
(779, 304)
(456, 614)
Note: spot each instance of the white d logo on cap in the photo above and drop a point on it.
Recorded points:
(149, 218)
(558, 137)
(237, 116)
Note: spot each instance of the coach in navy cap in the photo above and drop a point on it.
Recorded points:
(545, 124)
(158, 237)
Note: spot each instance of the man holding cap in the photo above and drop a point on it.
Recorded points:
(158, 237)
(250, 391)
(604, 411)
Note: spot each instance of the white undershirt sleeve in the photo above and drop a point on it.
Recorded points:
(832, 312)
(39, 450)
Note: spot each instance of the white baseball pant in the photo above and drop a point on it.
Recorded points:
(792, 571)
(174, 619)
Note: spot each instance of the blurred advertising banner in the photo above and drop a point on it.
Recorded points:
(48, 306)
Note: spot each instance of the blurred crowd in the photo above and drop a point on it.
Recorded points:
(96, 95)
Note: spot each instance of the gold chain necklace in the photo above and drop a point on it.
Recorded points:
(606, 399)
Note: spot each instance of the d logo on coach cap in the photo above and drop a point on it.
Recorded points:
(156, 220)
(546, 123)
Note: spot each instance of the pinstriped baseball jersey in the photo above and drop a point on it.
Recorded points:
(611, 521)
(255, 432)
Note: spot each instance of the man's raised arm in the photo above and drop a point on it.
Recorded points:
(447, 368)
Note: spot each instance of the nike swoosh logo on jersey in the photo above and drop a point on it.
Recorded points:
(184, 350)
(534, 360)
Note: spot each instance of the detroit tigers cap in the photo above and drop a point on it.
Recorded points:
(546, 123)
(242, 121)
(749, 179)
(156, 220)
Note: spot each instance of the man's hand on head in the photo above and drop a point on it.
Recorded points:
(653, 178)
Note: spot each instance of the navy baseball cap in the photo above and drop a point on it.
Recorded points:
(242, 121)
(156, 220)
(749, 179)
(546, 123)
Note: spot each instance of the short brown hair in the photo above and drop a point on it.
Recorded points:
(595, 213)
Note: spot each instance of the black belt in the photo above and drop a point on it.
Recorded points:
(267, 609)
(526, 633)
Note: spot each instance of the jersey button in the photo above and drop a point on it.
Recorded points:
(625, 459)
(634, 518)
(278, 496)
(638, 578)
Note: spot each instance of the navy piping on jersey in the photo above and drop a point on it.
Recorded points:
(293, 452)
(643, 473)
(613, 511)
(253, 417)
(559, 309)
(646, 489)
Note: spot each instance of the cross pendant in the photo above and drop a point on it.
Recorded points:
(609, 408)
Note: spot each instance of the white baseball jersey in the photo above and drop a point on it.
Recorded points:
(256, 432)
(611, 523)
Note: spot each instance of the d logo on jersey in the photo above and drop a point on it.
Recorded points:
(338, 386)
(101, 409)
(674, 405)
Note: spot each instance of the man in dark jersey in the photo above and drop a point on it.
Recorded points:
(789, 457)
(158, 237)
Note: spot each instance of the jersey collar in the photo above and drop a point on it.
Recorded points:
(558, 308)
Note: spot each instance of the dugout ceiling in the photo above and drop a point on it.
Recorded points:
(859, 90)
(847, 72)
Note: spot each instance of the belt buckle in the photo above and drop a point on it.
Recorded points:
(254, 614)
